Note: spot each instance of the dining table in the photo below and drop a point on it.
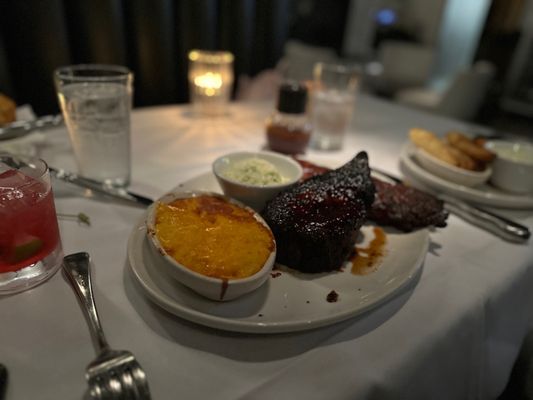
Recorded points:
(452, 330)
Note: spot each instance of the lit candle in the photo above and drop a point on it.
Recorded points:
(211, 80)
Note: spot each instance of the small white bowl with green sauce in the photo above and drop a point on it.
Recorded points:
(512, 170)
(255, 177)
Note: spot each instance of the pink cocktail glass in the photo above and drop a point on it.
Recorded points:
(30, 246)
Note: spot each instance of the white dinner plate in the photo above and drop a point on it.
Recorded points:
(290, 301)
(484, 194)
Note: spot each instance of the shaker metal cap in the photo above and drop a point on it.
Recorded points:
(292, 98)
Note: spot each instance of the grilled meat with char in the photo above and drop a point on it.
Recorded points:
(405, 207)
(316, 222)
(397, 205)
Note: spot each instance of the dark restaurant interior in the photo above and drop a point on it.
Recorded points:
(467, 60)
(405, 49)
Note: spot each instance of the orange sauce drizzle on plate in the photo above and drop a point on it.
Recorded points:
(366, 259)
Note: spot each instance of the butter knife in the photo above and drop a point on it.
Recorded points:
(98, 187)
(501, 226)
(19, 129)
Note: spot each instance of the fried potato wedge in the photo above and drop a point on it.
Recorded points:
(429, 142)
(464, 160)
(469, 147)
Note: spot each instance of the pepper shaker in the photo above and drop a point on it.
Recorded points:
(288, 129)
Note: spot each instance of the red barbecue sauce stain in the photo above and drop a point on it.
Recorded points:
(223, 288)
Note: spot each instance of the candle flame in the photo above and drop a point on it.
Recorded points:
(210, 82)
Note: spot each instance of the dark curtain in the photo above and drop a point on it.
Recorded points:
(151, 37)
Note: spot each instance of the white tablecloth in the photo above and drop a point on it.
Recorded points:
(453, 334)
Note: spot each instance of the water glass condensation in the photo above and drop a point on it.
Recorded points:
(96, 102)
(30, 246)
(332, 104)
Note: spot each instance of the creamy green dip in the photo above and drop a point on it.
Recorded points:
(517, 152)
(254, 171)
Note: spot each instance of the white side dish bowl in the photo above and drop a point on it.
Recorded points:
(255, 195)
(210, 287)
(450, 172)
(513, 166)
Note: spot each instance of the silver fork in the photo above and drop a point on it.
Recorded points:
(113, 374)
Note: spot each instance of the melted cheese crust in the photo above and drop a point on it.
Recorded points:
(213, 237)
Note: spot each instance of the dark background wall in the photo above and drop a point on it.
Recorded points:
(152, 38)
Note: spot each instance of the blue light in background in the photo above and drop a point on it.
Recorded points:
(386, 16)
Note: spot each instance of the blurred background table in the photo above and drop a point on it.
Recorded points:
(453, 333)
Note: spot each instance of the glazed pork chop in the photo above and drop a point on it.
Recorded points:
(316, 222)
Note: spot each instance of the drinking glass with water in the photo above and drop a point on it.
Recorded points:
(332, 104)
(96, 103)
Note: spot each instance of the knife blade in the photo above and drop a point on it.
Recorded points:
(497, 224)
(19, 129)
(121, 194)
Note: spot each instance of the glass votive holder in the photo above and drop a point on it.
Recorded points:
(210, 81)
